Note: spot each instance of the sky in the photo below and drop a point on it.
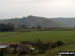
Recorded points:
(43, 8)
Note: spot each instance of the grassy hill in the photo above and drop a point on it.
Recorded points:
(32, 22)
(68, 22)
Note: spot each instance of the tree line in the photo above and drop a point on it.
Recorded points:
(6, 27)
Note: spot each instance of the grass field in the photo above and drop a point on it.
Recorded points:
(5, 33)
(65, 36)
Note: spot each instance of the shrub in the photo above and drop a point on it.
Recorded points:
(58, 43)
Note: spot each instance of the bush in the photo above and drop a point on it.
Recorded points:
(58, 43)
(42, 47)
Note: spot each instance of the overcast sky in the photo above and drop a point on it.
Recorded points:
(44, 8)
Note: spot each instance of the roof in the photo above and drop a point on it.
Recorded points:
(3, 46)
(10, 44)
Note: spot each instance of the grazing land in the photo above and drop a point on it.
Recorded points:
(67, 37)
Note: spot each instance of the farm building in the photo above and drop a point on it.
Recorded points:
(19, 48)
(12, 47)
(66, 53)
(4, 50)
(10, 44)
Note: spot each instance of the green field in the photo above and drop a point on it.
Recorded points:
(65, 36)
(5, 33)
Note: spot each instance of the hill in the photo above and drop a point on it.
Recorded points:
(32, 22)
(35, 21)
(68, 22)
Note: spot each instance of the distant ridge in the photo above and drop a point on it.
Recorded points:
(32, 21)
(68, 22)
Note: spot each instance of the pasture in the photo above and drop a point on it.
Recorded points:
(45, 36)
(66, 36)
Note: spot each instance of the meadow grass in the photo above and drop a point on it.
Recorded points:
(5, 33)
(45, 36)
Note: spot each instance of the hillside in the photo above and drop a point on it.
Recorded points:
(32, 21)
(68, 22)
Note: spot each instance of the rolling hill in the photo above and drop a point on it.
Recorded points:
(68, 22)
(32, 21)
